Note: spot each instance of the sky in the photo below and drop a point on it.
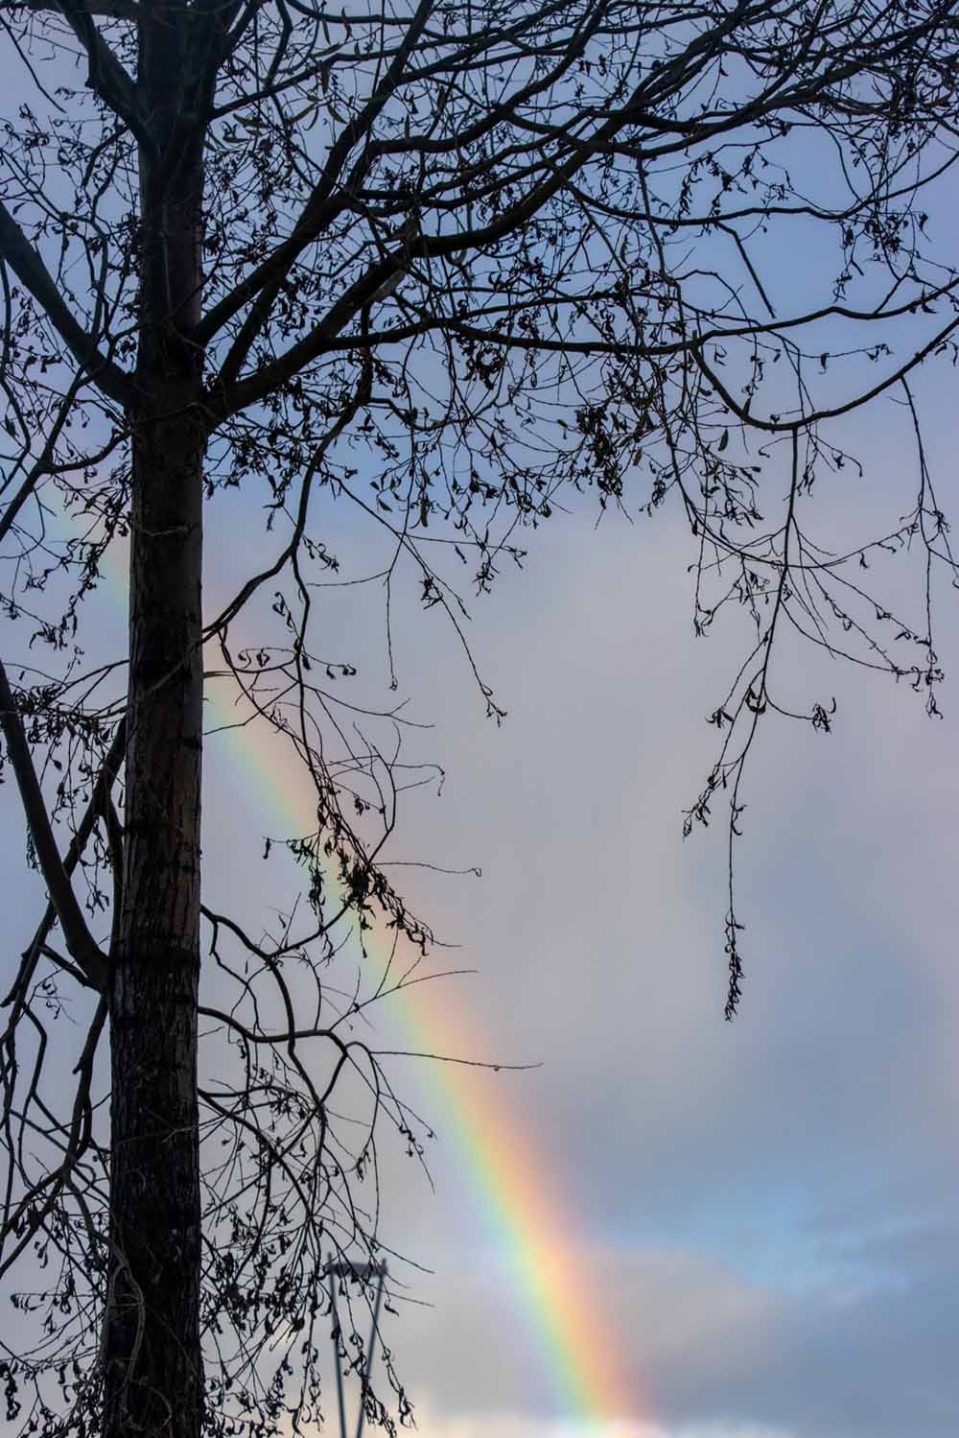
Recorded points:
(766, 1208)
(758, 1217)
(750, 1229)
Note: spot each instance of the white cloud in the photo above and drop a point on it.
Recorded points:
(521, 1425)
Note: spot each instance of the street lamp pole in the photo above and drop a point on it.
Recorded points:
(363, 1272)
(374, 1334)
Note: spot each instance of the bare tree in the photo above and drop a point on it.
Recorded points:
(441, 261)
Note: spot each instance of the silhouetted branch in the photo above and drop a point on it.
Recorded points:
(19, 254)
(80, 942)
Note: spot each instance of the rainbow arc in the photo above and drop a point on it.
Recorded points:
(518, 1195)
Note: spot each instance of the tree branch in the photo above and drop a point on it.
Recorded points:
(80, 942)
(265, 282)
(774, 425)
(108, 9)
(97, 807)
(39, 469)
(236, 393)
(29, 268)
(106, 76)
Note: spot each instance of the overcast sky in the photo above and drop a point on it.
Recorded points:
(764, 1211)
(768, 1207)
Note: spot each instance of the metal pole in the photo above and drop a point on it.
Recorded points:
(336, 1351)
(365, 1375)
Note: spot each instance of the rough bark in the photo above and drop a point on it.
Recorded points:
(153, 1372)
(152, 1336)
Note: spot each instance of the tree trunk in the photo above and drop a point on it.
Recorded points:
(153, 1370)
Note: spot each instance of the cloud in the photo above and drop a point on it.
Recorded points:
(763, 1208)
(519, 1426)
(761, 1205)
(862, 1353)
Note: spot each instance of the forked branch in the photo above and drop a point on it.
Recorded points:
(80, 942)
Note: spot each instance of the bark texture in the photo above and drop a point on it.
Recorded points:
(153, 1372)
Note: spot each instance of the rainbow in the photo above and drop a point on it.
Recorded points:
(514, 1192)
(517, 1197)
